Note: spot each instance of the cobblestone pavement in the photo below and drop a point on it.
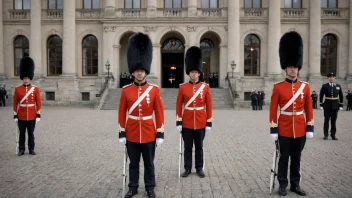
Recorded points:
(78, 155)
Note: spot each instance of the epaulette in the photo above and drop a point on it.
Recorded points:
(183, 83)
(126, 85)
(154, 85)
(304, 82)
(279, 82)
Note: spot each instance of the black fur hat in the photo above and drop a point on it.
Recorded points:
(291, 50)
(194, 59)
(139, 52)
(26, 68)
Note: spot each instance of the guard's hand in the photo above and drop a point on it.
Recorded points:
(16, 120)
(37, 119)
(309, 135)
(159, 141)
(208, 129)
(122, 140)
(179, 128)
(321, 108)
(274, 136)
(341, 108)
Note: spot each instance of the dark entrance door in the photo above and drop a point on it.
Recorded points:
(172, 68)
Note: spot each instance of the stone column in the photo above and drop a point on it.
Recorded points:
(107, 49)
(233, 35)
(274, 35)
(116, 61)
(152, 9)
(69, 41)
(109, 9)
(314, 39)
(349, 75)
(2, 61)
(192, 8)
(223, 62)
(35, 47)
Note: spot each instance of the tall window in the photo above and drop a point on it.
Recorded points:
(293, 4)
(328, 54)
(132, 3)
(21, 49)
(328, 3)
(54, 49)
(55, 4)
(90, 55)
(22, 4)
(210, 4)
(173, 4)
(252, 4)
(91, 4)
(251, 55)
(207, 45)
(173, 44)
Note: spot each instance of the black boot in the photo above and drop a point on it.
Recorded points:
(298, 190)
(32, 152)
(131, 193)
(20, 152)
(201, 174)
(186, 173)
(334, 137)
(325, 137)
(151, 193)
(282, 191)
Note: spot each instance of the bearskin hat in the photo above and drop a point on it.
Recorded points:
(139, 52)
(194, 59)
(291, 50)
(26, 68)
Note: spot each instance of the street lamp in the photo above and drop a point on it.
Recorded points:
(233, 66)
(107, 65)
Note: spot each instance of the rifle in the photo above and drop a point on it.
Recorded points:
(273, 173)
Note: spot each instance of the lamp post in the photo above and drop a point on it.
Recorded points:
(107, 65)
(233, 66)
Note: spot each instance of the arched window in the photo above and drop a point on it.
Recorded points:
(21, 49)
(252, 3)
(22, 4)
(251, 55)
(54, 49)
(132, 3)
(173, 3)
(173, 44)
(210, 3)
(90, 55)
(328, 54)
(328, 3)
(55, 4)
(206, 45)
(293, 4)
(91, 4)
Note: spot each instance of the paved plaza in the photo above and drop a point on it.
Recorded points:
(78, 155)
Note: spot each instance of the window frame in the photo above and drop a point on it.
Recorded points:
(140, 4)
(91, 5)
(209, 3)
(91, 49)
(55, 57)
(327, 5)
(48, 1)
(172, 4)
(251, 67)
(14, 5)
(244, 3)
(327, 47)
(291, 7)
(23, 47)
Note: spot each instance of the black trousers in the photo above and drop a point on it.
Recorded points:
(314, 104)
(349, 107)
(330, 114)
(29, 126)
(290, 147)
(196, 136)
(2, 102)
(134, 151)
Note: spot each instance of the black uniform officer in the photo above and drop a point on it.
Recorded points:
(254, 97)
(314, 99)
(349, 101)
(332, 104)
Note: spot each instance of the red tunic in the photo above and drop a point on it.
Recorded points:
(196, 116)
(30, 107)
(293, 126)
(137, 130)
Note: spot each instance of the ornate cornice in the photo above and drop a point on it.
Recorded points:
(150, 28)
(109, 28)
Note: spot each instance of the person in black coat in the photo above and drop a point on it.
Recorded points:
(349, 101)
(254, 98)
(332, 104)
(314, 99)
(3, 96)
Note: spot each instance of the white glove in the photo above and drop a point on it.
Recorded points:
(321, 108)
(208, 129)
(16, 120)
(37, 119)
(274, 136)
(159, 141)
(341, 108)
(123, 140)
(179, 128)
(309, 135)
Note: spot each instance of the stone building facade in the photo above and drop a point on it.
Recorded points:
(71, 42)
